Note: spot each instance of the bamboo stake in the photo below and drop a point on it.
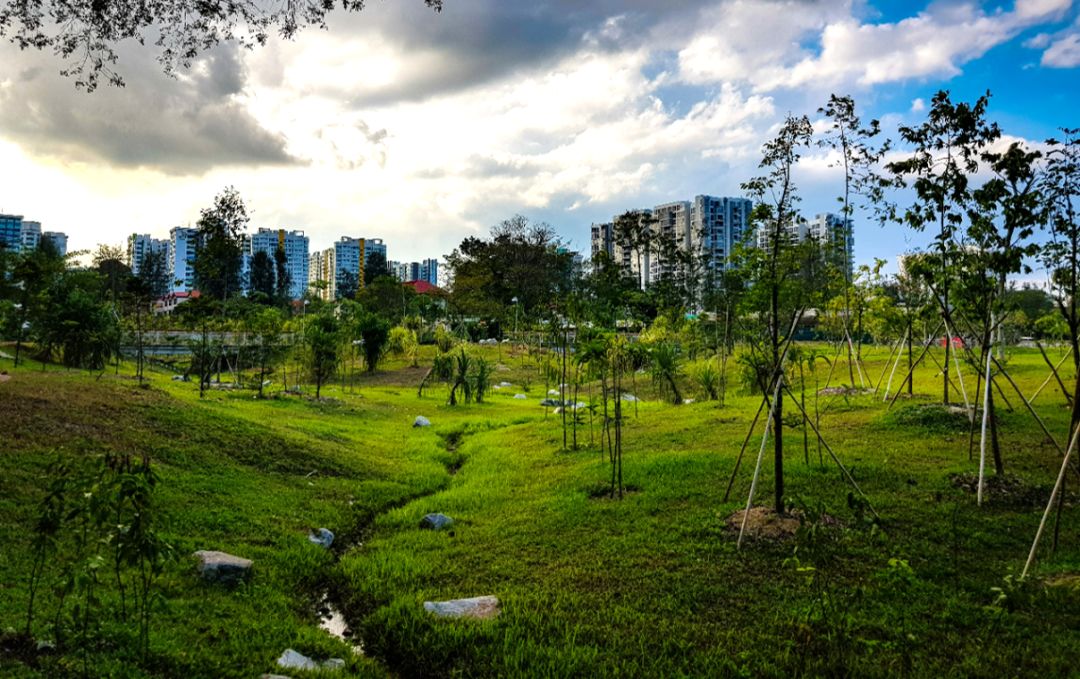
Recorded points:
(888, 361)
(742, 449)
(915, 365)
(1068, 397)
(757, 466)
(892, 374)
(959, 375)
(1047, 380)
(982, 438)
(836, 459)
(1050, 504)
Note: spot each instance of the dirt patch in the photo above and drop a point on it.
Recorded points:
(1007, 490)
(843, 391)
(602, 491)
(765, 523)
(1070, 581)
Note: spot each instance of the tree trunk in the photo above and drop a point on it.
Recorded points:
(778, 449)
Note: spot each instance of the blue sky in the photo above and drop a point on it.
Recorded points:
(423, 128)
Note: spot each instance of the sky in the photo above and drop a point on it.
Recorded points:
(423, 128)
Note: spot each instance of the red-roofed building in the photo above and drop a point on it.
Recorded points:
(168, 303)
(423, 287)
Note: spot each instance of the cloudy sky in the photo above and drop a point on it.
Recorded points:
(423, 128)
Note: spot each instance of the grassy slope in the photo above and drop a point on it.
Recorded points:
(651, 585)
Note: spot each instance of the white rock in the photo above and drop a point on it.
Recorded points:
(629, 397)
(421, 421)
(688, 401)
(322, 537)
(505, 384)
(222, 567)
(293, 660)
(520, 397)
(553, 392)
(480, 608)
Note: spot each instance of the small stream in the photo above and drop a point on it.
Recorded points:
(332, 621)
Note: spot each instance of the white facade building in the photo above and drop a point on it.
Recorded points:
(183, 246)
(297, 259)
(141, 245)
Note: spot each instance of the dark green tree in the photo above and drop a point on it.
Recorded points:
(261, 281)
(375, 267)
(322, 340)
(220, 230)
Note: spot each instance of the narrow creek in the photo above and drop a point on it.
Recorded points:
(328, 606)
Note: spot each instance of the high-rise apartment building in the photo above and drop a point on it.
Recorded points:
(717, 225)
(429, 271)
(183, 247)
(58, 239)
(297, 261)
(139, 246)
(11, 232)
(836, 236)
(346, 259)
(833, 233)
(30, 237)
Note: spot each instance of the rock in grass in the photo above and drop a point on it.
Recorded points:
(479, 608)
(436, 521)
(504, 384)
(322, 537)
(421, 421)
(293, 660)
(629, 397)
(222, 567)
(553, 392)
(520, 397)
(549, 402)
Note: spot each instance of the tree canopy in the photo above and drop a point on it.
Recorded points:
(85, 33)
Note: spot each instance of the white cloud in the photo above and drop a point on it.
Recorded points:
(1063, 52)
(934, 43)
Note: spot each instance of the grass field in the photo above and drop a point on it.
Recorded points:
(651, 585)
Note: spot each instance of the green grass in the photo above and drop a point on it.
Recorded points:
(651, 585)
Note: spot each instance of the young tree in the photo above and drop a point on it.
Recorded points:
(778, 290)
(321, 335)
(945, 156)
(1002, 218)
(1061, 254)
(267, 326)
(859, 155)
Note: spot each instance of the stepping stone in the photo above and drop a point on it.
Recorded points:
(222, 567)
(520, 397)
(436, 521)
(322, 537)
(421, 421)
(293, 660)
(479, 608)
